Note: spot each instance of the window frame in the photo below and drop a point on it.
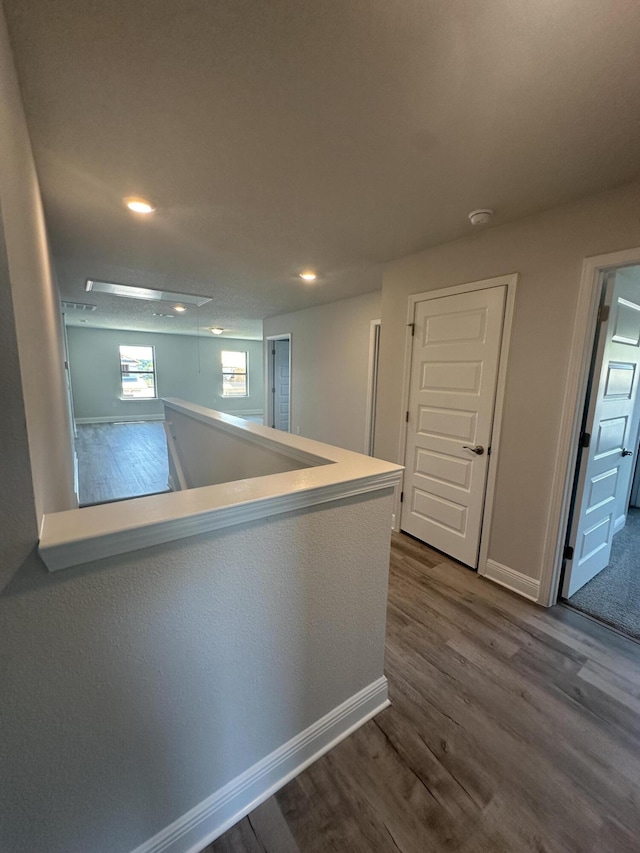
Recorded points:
(153, 373)
(234, 372)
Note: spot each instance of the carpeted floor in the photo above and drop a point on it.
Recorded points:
(613, 596)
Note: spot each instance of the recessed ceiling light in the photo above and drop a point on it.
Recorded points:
(308, 276)
(138, 205)
(217, 330)
(179, 308)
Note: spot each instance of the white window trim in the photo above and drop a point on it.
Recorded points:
(246, 374)
(156, 396)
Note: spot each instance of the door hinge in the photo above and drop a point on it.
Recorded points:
(568, 552)
(407, 417)
(412, 326)
(585, 439)
(401, 497)
(603, 314)
(273, 352)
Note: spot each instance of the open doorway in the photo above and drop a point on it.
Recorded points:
(278, 382)
(601, 575)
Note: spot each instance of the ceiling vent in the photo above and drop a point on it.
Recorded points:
(78, 306)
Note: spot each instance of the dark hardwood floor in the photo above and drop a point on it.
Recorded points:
(511, 729)
(117, 461)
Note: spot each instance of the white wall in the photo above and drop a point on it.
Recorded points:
(329, 368)
(187, 367)
(35, 301)
(547, 251)
(208, 455)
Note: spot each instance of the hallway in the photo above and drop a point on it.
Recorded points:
(511, 729)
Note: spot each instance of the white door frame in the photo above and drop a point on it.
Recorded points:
(372, 381)
(268, 375)
(511, 282)
(582, 341)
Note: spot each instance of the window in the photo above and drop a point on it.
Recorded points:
(234, 374)
(137, 373)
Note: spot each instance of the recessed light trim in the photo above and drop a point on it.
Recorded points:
(179, 308)
(138, 205)
(216, 330)
(308, 275)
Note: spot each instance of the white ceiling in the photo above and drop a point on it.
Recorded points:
(276, 135)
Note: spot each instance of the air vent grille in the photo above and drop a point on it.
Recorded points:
(78, 306)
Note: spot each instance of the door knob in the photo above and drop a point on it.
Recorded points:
(626, 452)
(479, 449)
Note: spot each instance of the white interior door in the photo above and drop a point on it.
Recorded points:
(607, 465)
(281, 384)
(454, 374)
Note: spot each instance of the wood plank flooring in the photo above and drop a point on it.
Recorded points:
(511, 729)
(117, 461)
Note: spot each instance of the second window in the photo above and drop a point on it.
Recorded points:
(234, 374)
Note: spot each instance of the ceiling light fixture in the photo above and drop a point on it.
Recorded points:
(146, 293)
(481, 216)
(217, 330)
(138, 205)
(179, 308)
(308, 276)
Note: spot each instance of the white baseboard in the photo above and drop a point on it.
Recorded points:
(212, 817)
(76, 480)
(513, 580)
(119, 419)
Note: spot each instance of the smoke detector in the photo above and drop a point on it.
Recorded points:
(481, 216)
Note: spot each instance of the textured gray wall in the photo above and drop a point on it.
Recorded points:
(209, 455)
(187, 367)
(36, 305)
(18, 526)
(329, 368)
(135, 687)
